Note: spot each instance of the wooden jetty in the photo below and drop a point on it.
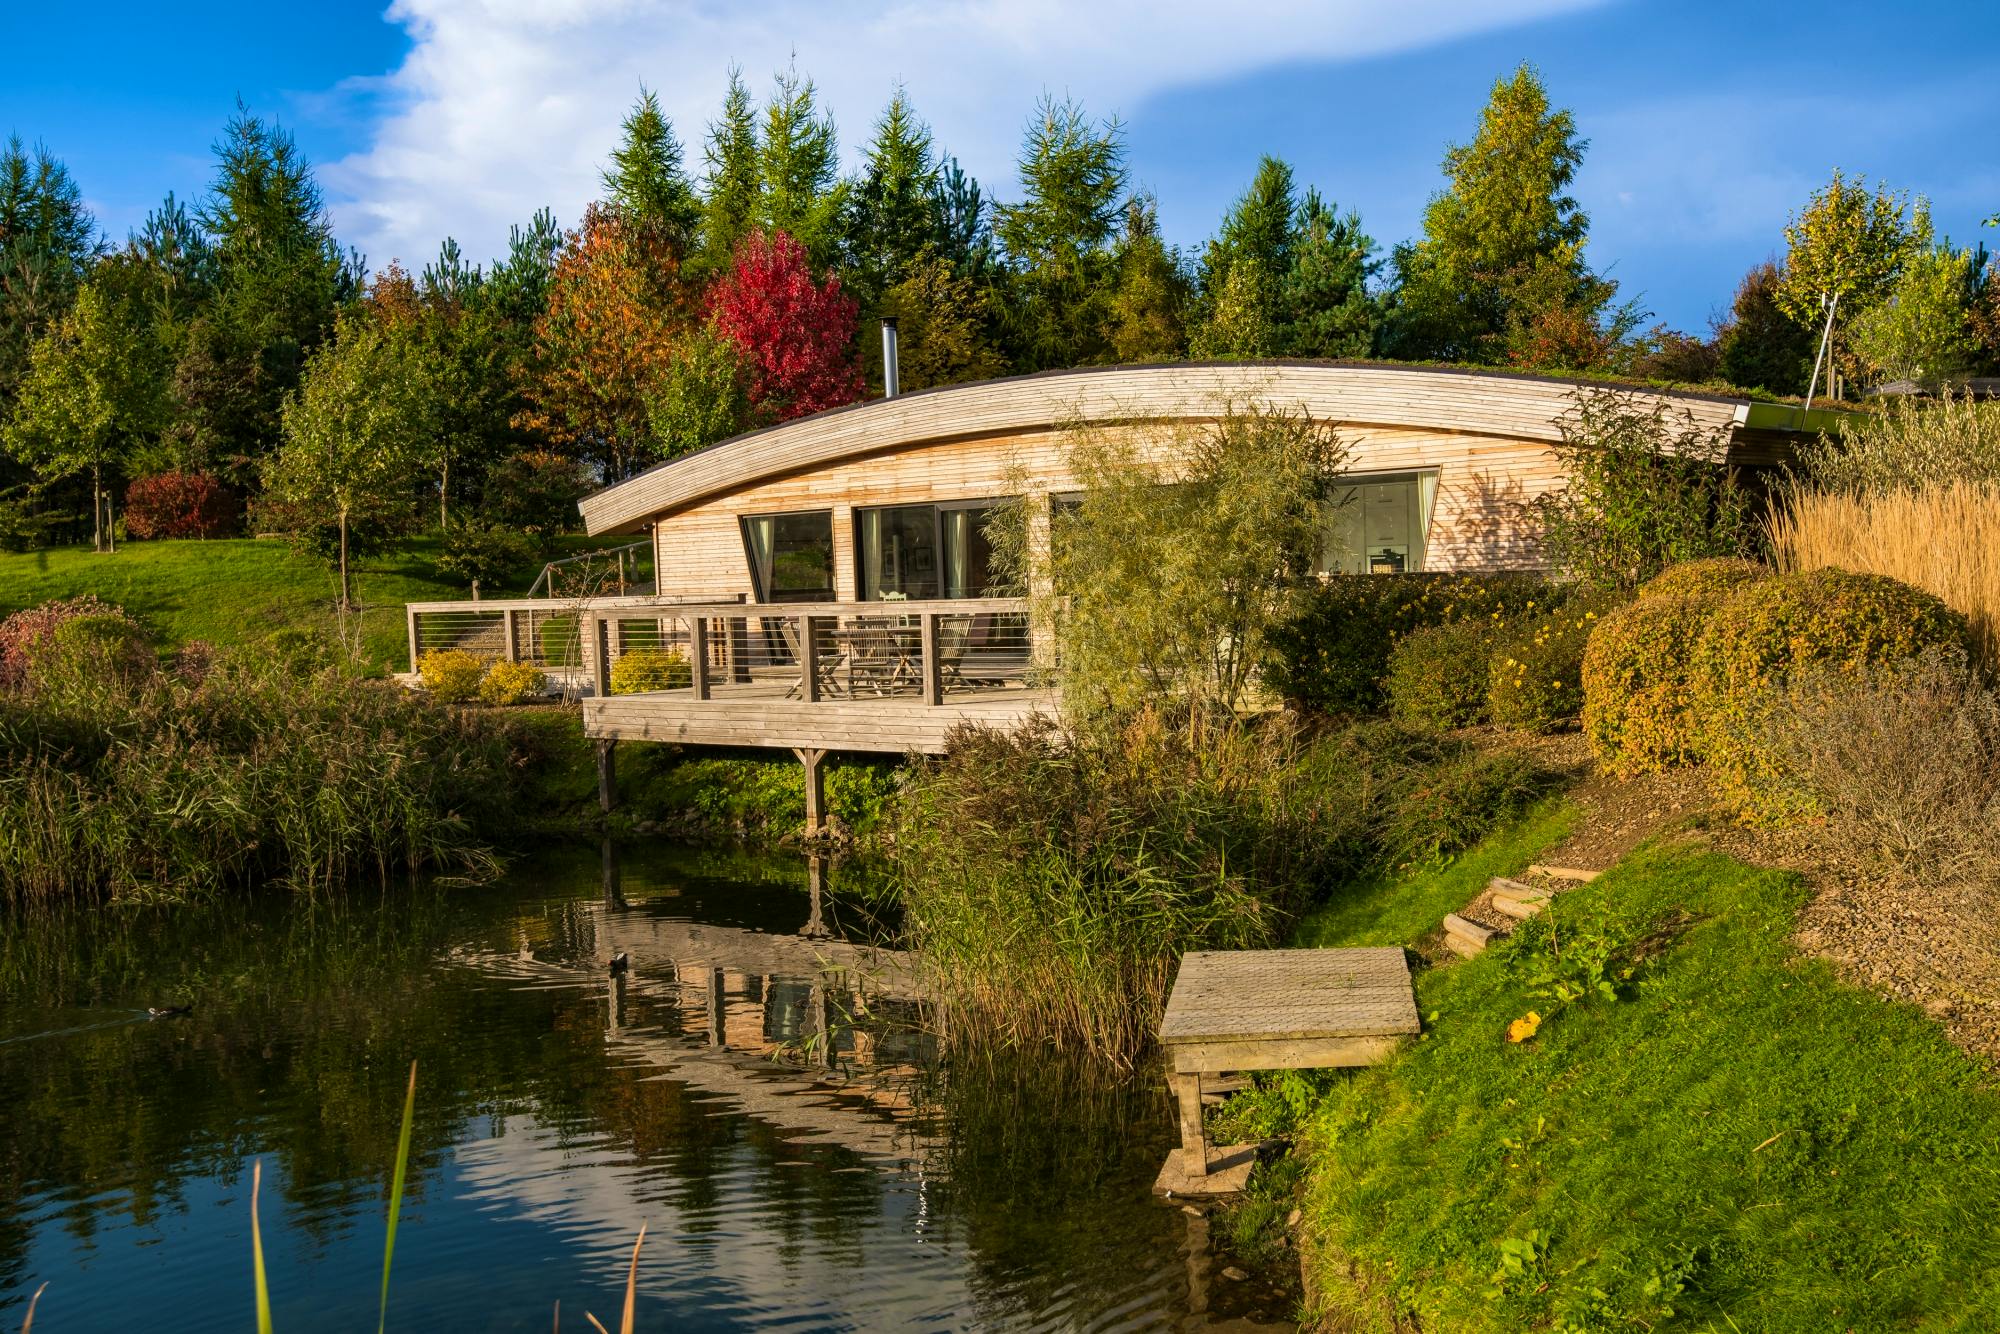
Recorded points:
(1234, 1011)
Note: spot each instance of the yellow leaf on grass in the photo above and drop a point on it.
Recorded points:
(1524, 1028)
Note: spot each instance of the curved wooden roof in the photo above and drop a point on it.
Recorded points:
(1513, 406)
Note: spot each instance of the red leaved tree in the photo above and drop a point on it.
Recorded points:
(797, 335)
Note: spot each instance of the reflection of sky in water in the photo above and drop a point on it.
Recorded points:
(563, 1110)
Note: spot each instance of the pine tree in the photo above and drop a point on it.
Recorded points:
(645, 178)
(1058, 238)
(1328, 311)
(1501, 265)
(729, 205)
(47, 241)
(1761, 346)
(1148, 314)
(800, 192)
(280, 278)
(1256, 230)
(520, 283)
(894, 210)
(965, 232)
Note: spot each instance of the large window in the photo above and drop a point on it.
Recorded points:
(1379, 525)
(924, 551)
(790, 555)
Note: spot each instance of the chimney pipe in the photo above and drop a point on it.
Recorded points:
(891, 376)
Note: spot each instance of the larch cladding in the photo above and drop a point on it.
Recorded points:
(1481, 519)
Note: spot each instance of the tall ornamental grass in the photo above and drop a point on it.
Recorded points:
(119, 778)
(1944, 539)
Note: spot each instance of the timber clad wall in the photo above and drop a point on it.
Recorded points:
(1486, 435)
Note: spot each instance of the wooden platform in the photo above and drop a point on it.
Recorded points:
(1239, 1010)
(762, 715)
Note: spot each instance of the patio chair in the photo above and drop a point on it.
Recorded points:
(874, 660)
(828, 664)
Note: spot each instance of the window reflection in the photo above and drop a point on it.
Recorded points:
(1380, 525)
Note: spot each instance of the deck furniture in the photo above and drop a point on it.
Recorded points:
(1243, 1010)
(826, 663)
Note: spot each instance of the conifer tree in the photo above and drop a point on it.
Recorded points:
(645, 178)
(1502, 250)
(1058, 239)
(1257, 229)
(965, 231)
(945, 319)
(1328, 311)
(47, 240)
(729, 204)
(894, 210)
(798, 160)
(1148, 313)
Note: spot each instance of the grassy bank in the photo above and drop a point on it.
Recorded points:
(1737, 1141)
(238, 590)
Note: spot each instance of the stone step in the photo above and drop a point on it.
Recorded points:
(1465, 938)
(1581, 877)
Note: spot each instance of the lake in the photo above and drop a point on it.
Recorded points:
(758, 1088)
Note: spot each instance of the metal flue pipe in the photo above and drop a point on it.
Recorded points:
(891, 378)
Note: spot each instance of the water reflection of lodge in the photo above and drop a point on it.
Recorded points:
(808, 1033)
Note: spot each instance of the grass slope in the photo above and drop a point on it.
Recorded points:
(1739, 1141)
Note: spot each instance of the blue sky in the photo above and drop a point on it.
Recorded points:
(1708, 123)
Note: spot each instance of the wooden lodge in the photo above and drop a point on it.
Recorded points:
(826, 584)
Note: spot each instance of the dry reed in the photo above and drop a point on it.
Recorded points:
(1944, 539)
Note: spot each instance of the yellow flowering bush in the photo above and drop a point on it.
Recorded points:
(642, 669)
(451, 674)
(1829, 619)
(1534, 678)
(511, 683)
(1437, 676)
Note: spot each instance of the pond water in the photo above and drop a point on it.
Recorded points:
(756, 1088)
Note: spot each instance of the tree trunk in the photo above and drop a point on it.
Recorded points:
(444, 494)
(344, 599)
(96, 509)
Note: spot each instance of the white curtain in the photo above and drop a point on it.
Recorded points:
(1427, 489)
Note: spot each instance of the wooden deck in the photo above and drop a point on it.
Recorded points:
(1242, 1010)
(762, 715)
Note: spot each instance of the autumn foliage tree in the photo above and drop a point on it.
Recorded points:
(796, 333)
(617, 306)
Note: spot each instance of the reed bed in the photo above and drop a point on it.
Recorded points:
(1052, 878)
(1944, 539)
(119, 778)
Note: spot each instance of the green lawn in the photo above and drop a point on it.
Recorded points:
(1738, 1141)
(239, 590)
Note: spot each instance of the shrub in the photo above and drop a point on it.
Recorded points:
(1645, 488)
(639, 670)
(482, 552)
(1534, 679)
(1438, 676)
(451, 675)
(511, 683)
(1771, 629)
(1458, 802)
(22, 632)
(534, 492)
(1903, 759)
(1333, 655)
(180, 504)
(1709, 580)
(300, 651)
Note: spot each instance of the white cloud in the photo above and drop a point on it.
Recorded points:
(503, 106)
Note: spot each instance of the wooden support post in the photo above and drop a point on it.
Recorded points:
(718, 1007)
(607, 774)
(510, 631)
(600, 656)
(698, 655)
(815, 787)
(1194, 1139)
(416, 649)
(808, 661)
(933, 670)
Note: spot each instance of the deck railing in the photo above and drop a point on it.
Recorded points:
(926, 651)
(547, 633)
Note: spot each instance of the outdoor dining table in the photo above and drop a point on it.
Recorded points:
(900, 648)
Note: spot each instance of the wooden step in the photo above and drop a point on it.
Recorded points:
(1519, 909)
(1581, 877)
(1500, 887)
(1465, 938)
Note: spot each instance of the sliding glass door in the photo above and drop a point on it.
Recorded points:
(924, 551)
